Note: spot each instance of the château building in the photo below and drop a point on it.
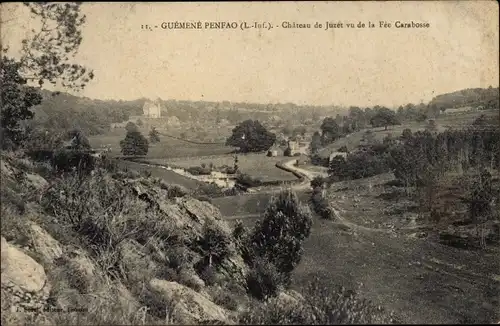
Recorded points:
(152, 109)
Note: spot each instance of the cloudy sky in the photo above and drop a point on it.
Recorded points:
(387, 66)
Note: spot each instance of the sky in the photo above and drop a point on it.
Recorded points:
(340, 66)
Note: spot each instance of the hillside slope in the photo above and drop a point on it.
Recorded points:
(109, 246)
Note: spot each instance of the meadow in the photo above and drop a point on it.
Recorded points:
(257, 165)
(166, 148)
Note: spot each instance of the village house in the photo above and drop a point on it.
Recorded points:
(294, 147)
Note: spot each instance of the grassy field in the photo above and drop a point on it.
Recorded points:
(257, 165)
(166, 148)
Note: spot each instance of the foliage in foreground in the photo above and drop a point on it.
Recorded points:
(319, 305)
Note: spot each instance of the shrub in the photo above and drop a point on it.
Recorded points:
(320, 205)
(248, 181)
(287, 152)
(278, 237)
(321, 305)
(207, 191)
(214, 245)
(317, 182)
(318, 160)
(226, 300)
(197, 170)
(264, 280)
(69, 160)
(209, 275)
(173, 190)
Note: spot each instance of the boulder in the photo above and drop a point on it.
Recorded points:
(20, 269)
(44, 243)
(188, 306)
(36, 181)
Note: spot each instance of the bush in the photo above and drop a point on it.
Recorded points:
(320, 205)
(174, 191)
(264, 280)
(321, 305)
(248, 181)
(287, 152)
(317, 182)
(214, 245)
(320, 161)
(69, 160)
(207, 191)
(279, 236)
(209, 275)
(226, 299)
(197, 170)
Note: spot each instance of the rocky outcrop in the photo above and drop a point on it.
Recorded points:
(24, 286)
(44, 244)
(21, 270)
(188, 306)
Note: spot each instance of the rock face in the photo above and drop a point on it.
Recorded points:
(188, 306)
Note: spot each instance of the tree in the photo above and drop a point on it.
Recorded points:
(481, 197)
(315, 143)
(134, 144)
(251, 136)
(338, 168)
(154, 136)
(16, 101)
(330, 130)
(131, 127)
(279, 236)
(45, 57)
(384, 118)
(287, 130)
